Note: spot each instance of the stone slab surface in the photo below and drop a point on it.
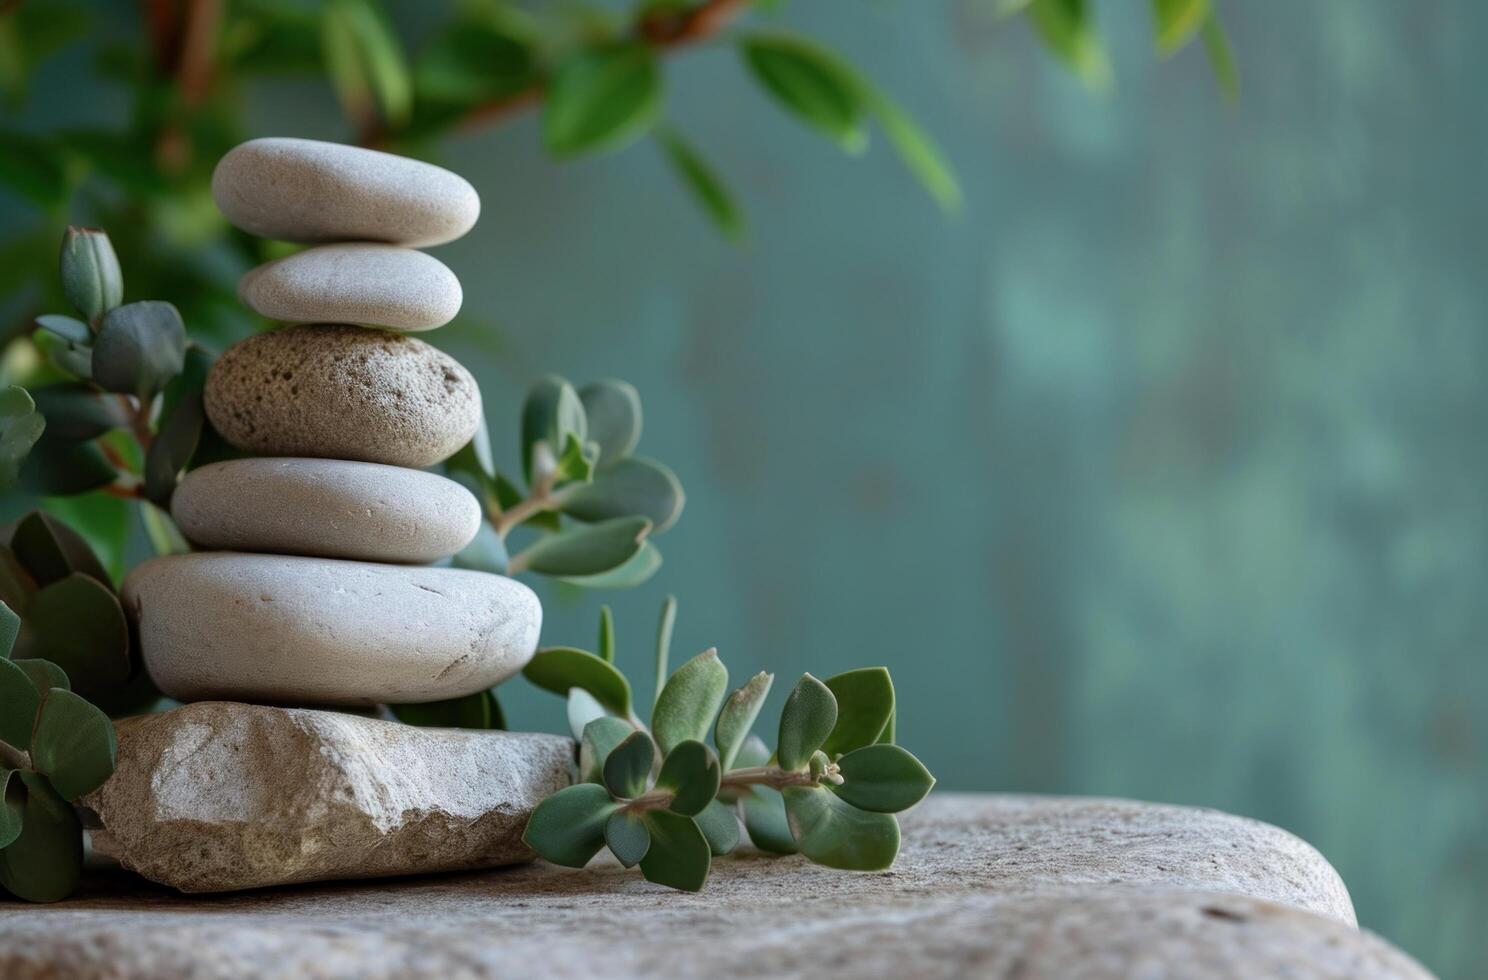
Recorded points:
(987, 886)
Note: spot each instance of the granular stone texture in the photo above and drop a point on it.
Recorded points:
(371, 285)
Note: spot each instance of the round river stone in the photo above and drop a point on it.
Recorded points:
(329, 508)
(287, 630)
(308, 191)
(374, 285)
(345, 393)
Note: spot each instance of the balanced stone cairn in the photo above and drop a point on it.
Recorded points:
(321, 595)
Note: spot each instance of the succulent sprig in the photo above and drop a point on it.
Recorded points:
(660, 797)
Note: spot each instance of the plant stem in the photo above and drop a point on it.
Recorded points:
(772, 776)
(12, 757)
(139, 424)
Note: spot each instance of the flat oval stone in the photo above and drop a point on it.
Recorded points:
(301, 190)
(329, 508)
(373, 285)
(281, 629)
(345, 393)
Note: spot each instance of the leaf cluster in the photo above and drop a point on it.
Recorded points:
(662, 798)
(54, 748)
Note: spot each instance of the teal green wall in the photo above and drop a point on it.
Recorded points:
(1160, 473)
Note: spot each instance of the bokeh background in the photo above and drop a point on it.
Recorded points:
(1158, 473)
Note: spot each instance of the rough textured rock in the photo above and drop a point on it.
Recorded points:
(290, 630)
(345, 393)
(374, 285)
(1008, 887)
(308, 191)
(329, 508)
(221, 796)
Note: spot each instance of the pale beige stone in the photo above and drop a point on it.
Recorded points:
(344, 393)
(371, 285)
(328, 508)
(1015, 888)
(221, 796)
(289, 630)
(302, 190)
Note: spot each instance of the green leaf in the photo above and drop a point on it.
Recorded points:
(865, 704)
(720, 826)
(557, 669)
(703, 182)
(76, 412)
(10, 628)
(140, 348)
(606, 635)
(74, 744)
(582, 709)
(479, 710)
(476, 59)
(181, 419)
(627, 769)
(689, 701)
(69, 329)
(12, 807)
(809, 83)
(679, 856)
(690, 773)
(51, 550)
(613, 412)
(44, 675)
(20, 426)
(1068, 31)
(66, 468)
(809, 715)
(600, 738)
(637, 571)
(90, 272)
(627, 836)
(581, 551)
(44, 862)
(1176, 22)
(664, 626)
(1220, 58)
(916, 150)
(887, 737)
(486, 552)
(80, 627)
(834, 833)
(364, 60)
(883, 779)
(764, 818)
(738, 716)
(754, 752)
(568, 828)
(601, 98)
(634, 486)
(74, 359)
(19, 701)
(551, 413)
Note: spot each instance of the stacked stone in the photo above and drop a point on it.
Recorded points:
(321, 597)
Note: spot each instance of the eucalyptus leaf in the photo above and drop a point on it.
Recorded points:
(19, 701)
(808, 83)
(689, 701)
(76, 412)
(882, 779)
(606, 634)
(74, 744)
(44, 863)
(720, 826)
(480, 710)
(568, 828)
(613, 411)
(140, 347)
(582, 551)
(557, 669)
(627, 769)
(601, 98)
(633, 486)
(637, 571)
(865, 705)
(738, 716)
(679, 856)
(764, 818)
(832, 832)
(81, 628)
(551, 413)
(600, 738)
(582, 709)
(628, 837)
(691, 774)
(809, 715)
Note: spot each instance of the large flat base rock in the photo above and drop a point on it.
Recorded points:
(985, 887)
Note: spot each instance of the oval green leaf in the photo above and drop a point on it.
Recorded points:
(679, 856)
(808, 83)
(74, 744)
(865, 703)
(479, 711)
(80, 627)
(807, 719)
(689, 701)
(12, 807)
(551, 413)
(720, 825)
(691, 774)
(599, 739)
(627, 836)
(557, 669)
(882, 779)
(764, 818)
(703, 182)
(738, 716)
(627, 768)
(583, 551)
(582, 709)
(832, 832)
(568, 827)
(601, 98)
(43, 863)
(140, 347)
(19, 700)
(44, 675)
(613, 410)
(637, 571)
(633, 486)
(76, 412)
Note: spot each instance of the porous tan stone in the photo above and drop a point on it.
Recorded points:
(372, 285)
(329, 508)
(221, 796)
(302, 190)
(342, 392)
(288, 630)
(1032, 888)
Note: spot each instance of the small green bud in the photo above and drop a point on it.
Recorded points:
(90, 272)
